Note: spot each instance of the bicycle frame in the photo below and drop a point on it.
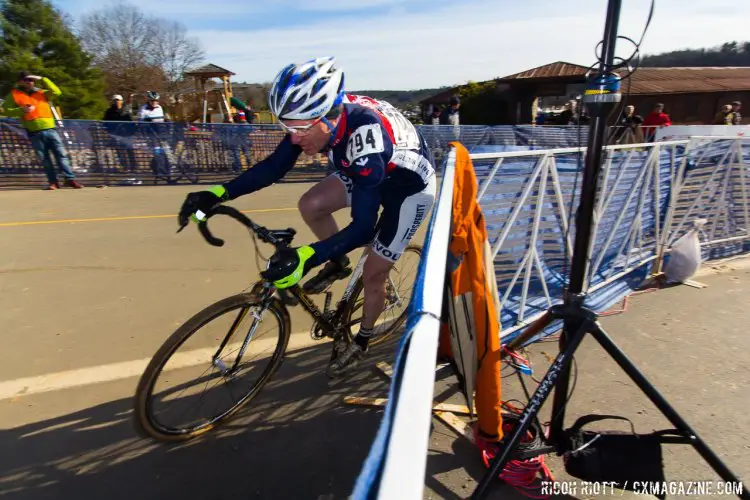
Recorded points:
(315, 311)
(328, 322)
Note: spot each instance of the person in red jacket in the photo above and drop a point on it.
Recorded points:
(656, 119)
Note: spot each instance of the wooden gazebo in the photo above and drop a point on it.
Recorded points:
(205, 73)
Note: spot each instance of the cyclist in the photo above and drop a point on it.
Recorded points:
(380, 160)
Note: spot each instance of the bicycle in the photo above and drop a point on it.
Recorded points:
(259, 304)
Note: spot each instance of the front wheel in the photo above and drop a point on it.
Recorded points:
(398, 290)
(237, 343)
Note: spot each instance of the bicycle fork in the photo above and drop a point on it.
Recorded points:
(217, 362)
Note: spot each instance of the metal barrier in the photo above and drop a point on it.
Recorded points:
(649, 195)
(712, 183)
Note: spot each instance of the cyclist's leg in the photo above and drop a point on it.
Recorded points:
(399, 222)
(317, 207)
(319, 203)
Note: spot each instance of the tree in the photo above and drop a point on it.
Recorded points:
(37, 38)
(174, 53)
(119, 39)
(481, 104)
(728, 54)
(137, 52)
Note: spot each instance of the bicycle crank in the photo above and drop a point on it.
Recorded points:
(317, 332)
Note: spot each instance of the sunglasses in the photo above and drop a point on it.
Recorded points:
(298, 129)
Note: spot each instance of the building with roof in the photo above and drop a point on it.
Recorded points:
(208, 71)
(690, 95)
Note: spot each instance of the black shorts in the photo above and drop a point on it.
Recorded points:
(403, 213)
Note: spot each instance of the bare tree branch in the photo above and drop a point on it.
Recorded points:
(174, 52)
(137, 52)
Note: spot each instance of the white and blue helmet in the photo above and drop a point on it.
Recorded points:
(306, 91)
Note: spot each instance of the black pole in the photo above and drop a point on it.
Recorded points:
(601, 96)
(531, 410)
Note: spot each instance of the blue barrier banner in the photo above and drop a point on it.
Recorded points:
(130, 153)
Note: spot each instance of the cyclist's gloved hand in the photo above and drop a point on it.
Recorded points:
(198, 205)
(288, 266)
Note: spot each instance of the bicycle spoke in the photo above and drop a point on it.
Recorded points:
(235, 324)
(187, 405)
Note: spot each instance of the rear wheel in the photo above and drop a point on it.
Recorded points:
(399, 288)
(211, 367)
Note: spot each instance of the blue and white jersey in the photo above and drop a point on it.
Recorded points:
(376, 147)
(374, 139)
(147, 114)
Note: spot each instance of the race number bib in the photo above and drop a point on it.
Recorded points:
(404, 133)
(367, 139)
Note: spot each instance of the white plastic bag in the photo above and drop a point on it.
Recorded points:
(685, 255)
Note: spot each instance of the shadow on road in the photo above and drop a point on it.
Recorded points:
(297, 439)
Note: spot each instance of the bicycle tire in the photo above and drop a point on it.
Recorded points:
(353, 303)
(144, 422)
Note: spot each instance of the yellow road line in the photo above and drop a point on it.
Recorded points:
(128, 217)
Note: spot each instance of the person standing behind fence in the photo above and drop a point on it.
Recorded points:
(724, 116)
(656, 119)
(119, 137)
(30, 103)
(117, 112)
(736, 116)
(450, 115)
(434, 117)
(629, 127)
(152, 111)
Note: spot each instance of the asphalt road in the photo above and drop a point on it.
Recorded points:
(93, 281)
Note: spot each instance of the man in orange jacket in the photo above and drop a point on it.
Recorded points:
(29, 103)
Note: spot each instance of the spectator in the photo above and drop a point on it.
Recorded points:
(30, 103)
(117, 112)
(152, 110)
(243, 110)
(724, 116)
(541, 116)
(119, 137)
(628, 128)
(656, 119)
(736, 116)
(569, 116)
(434, 118)
(449, 116)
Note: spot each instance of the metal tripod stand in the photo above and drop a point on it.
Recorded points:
(601, 96)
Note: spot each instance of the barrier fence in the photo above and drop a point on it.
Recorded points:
(127, 153)
(649, 195)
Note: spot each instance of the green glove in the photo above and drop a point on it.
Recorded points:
(288, 266)
(199, 204)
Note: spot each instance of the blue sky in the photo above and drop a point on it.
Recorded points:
(411, 44)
